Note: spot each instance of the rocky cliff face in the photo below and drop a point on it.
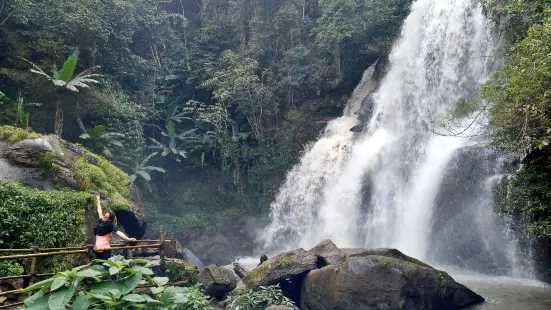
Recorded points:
(48, 163)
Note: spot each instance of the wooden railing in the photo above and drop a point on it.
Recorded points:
(88, 250)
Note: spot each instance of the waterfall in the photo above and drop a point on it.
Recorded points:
(397, 184)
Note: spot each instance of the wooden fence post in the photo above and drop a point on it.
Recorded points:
(162, 265)
(89, 253)
(126, 253)
(33, 268)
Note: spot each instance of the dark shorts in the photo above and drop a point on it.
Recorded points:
(105, 254)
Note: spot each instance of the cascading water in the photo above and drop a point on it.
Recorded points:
(397, 184)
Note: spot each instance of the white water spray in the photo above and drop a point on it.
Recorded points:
(380, 189)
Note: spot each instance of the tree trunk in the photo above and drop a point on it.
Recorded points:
(338, 64)
(58, 123)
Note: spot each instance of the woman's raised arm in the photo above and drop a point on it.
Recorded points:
(98, 205)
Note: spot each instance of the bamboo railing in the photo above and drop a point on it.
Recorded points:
(35, 252)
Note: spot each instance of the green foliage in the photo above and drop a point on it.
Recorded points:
(528, 193)
(515, 17)
(100, 140)
(259, 299)
(182, 272)
(16, 112)
(27, 217)
(108, 180)
(8, 268)
(142, 169)
(109, 285)
(14, 135)
(520, 93)
(64, 78)
(520, 108)
(207, 84)
(46, 160)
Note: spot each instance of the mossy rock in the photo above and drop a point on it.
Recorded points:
(69, 165)
(13, 135)
(280, 267)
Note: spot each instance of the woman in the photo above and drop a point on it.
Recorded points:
(104, 228)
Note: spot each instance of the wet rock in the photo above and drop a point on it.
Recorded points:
(217, 281)
(240, 270)
(357, 128)
(327, 253)
(281, 267)
(366, 281)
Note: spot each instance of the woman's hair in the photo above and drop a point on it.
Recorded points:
(112, 216)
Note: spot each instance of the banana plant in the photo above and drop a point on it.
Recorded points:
(141, 168)
(18, 112)
(100, 140)
(65, 79)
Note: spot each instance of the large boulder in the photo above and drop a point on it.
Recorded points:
(281, 267)
(366, 281)
(327, 278)
(217, 281)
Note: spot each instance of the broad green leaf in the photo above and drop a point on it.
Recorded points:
(142, 270)
(84, 302)
(139, 261)
(58, 282)
(144, 162)
(66, 73)
(130, 283)
(149, 299)
(99, 296)
(104, 287)
(115, 293)
(171, 128)
(41, 73)
(61, 297)
(134, 298)
(156, 290)
(114, 270)
(29, 301)
(39, 304)
(160, 281)
(153, 263)
(144, 175)
(96, 131)
(89, 273)
(39, 285)
(151, 168)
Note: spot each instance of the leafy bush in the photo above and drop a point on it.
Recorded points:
(520, 93)
(529, 194)
(30, 217)
(180, 272)
(10, 269)
(110, 285)
(14, 135)
(264, 297)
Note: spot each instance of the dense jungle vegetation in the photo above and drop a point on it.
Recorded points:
(205, 103)
(519, 97)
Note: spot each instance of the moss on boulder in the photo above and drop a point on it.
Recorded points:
(69, 165)
(13, 134)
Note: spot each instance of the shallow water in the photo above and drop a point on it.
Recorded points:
(504, 293)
